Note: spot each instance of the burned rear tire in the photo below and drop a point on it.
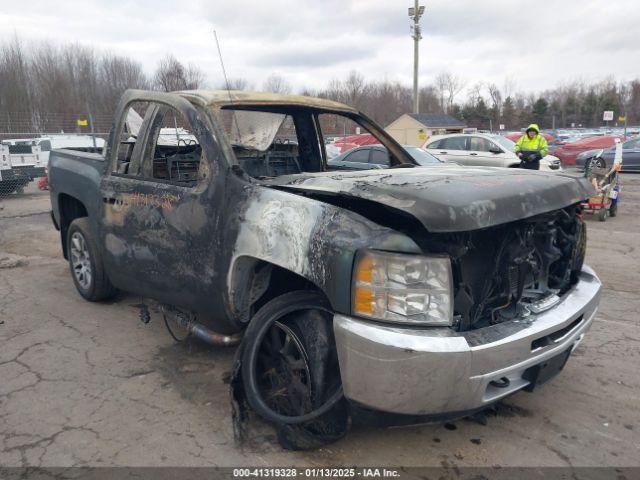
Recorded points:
(85, 263)
(290, 370)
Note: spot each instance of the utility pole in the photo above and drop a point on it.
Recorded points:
(415, 13)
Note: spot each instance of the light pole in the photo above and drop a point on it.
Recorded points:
(415, 13)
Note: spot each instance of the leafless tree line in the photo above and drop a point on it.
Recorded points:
(482, 104)
(47, 88)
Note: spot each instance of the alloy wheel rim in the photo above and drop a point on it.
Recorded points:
(81, 260)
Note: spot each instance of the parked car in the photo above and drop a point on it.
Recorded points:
(377, 156)
(11, 179)
(26, 157)
(603, 157)
(430, 292)
(569, 152)
(481, 149)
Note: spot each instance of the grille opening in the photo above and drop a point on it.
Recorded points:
(555, 336)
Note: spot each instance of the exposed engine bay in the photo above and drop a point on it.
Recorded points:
(513, 270)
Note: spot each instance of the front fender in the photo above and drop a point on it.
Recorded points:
(312, 239)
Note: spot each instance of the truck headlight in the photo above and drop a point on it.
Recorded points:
(403, 288)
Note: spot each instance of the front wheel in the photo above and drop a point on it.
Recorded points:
(290, 370)
(85, 263)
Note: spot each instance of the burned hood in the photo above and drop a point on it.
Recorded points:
(449, 198)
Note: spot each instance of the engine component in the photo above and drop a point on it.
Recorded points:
(515, 269)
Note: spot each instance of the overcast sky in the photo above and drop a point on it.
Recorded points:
(536, 44)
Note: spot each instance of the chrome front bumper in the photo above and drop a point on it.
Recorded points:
(436, 370)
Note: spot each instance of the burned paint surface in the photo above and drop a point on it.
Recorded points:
(201, 248)
(450, 198)
(315, 240)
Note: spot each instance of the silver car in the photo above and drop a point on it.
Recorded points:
(482, 149)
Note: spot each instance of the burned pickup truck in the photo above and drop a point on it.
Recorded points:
(422, 293)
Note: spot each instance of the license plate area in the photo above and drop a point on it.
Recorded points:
(545, 371)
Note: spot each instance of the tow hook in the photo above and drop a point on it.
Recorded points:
(502, 383)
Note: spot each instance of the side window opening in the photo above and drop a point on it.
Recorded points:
(271, 143)
(380, 157)
(358, 156)
(280, 157)
(155, 144)
(479, 144)
(128, 137)
(171, 151)
(454, 143)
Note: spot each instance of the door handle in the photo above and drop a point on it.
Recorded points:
(443, 152)
(473, 154)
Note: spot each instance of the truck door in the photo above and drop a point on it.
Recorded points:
(158, 204)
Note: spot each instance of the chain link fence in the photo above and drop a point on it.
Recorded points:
(29, 136)
(34, 124)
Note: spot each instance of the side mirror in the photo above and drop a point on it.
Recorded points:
(495, 149)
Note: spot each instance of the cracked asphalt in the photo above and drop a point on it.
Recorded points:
(85, 384)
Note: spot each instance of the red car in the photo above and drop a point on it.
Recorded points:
(568, 152)
(353, 141)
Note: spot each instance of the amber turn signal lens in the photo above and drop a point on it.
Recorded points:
(363, 301)
(364, 272)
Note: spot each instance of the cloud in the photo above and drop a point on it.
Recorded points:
(537, 44)
(303, 55)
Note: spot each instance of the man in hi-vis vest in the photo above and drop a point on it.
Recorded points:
(531, 148)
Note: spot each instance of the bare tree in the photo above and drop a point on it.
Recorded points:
(354, 88)
(276, 84)
(495, 95)
(476, 92)
(448, 87)
(236, 84)
(509, 87)
(171, 75)
(334, 91)
(15, 84)
(309, 92)
(496, 103)
(46, 87)
(119, 73)
(440, 83)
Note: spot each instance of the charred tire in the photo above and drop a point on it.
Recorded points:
(85, 263)
(290, 370)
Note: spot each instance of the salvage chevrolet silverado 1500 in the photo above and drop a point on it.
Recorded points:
(423, 293)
